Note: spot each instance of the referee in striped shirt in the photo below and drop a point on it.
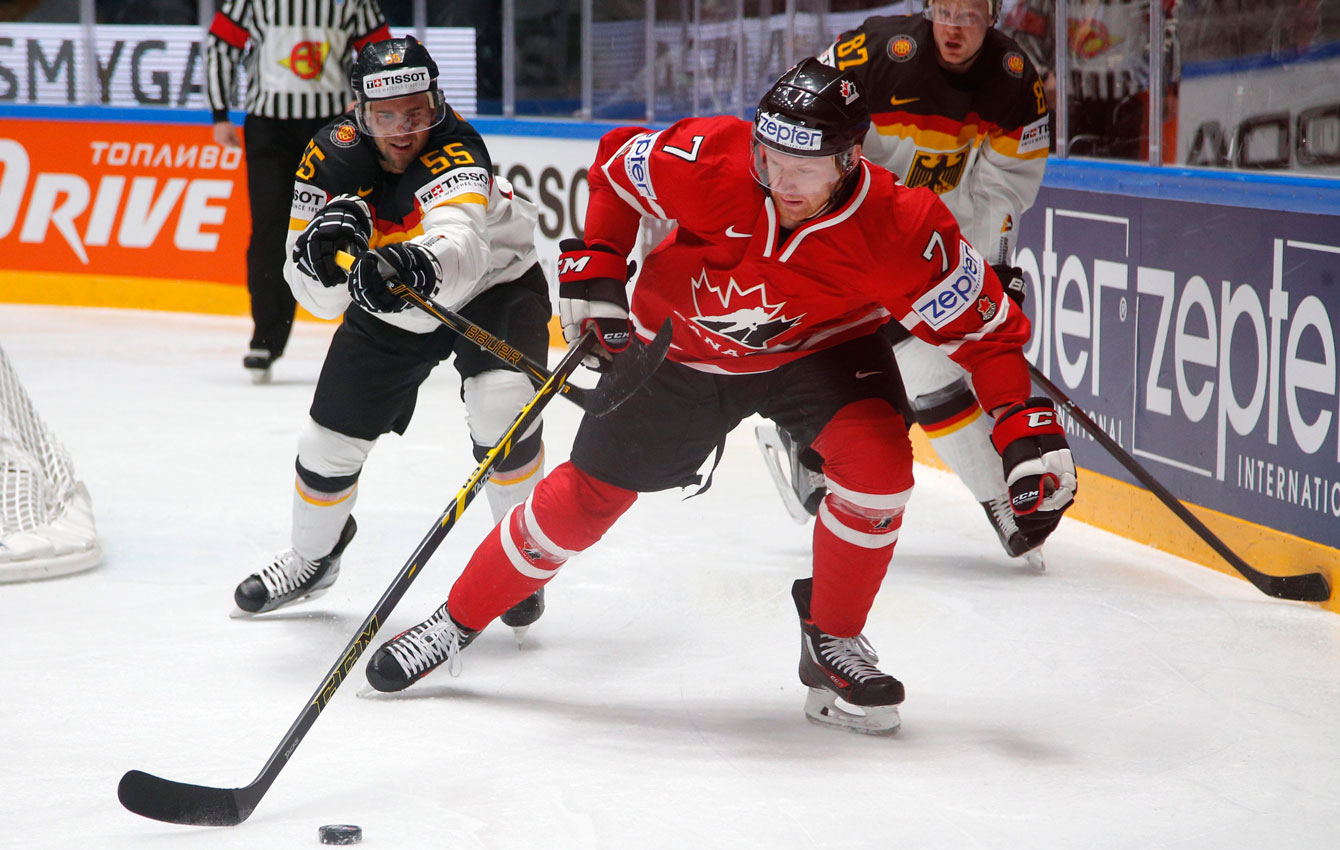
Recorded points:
(297, 55)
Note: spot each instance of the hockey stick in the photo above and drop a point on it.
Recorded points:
(200, 805)
(597, 401)
(1310, 587)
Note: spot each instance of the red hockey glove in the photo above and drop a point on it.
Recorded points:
(1039, 469)
(592, 287)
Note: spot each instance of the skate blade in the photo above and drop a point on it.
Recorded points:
(822, 709)
(775, 459)
(1034, 559)
(260, 376)
(519, 633)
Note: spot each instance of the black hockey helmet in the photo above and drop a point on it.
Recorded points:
(385, 77)
(813, 110)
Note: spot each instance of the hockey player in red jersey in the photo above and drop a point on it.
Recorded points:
(790, 251)
(956, 107)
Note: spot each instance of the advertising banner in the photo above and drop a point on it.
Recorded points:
(52, 64)
(1203, 340)
(129, 199)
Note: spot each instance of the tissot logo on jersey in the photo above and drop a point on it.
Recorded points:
(307, 201)
(395, 83)
(788, 135)
(742, 315)
(956, 293)
(1035, 136)
(453, 184)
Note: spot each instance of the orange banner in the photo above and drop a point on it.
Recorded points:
(129, 199)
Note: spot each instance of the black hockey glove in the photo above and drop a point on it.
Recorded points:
(592, 287)
(1039, 469)
(344, 224)
(1012, 278)
(374, 272)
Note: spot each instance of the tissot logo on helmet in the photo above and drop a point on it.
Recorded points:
(396, 83)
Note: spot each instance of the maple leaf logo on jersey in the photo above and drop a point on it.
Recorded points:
(986, 308)
(742, 315)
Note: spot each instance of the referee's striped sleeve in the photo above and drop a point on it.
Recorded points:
(224, 46)
(367, 25)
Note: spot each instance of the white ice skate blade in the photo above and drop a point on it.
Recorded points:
(775, 459)
(1034, 558)
(519, 633)
(825, 708)
(260, 376)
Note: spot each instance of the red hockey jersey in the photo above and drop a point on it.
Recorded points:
(744, 296)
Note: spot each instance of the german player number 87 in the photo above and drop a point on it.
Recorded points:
(852, 52)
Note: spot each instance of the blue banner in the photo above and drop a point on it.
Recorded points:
(1203, 339)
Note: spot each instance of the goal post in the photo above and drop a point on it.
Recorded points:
(46, 517)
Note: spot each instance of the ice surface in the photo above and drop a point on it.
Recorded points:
(1122, 699)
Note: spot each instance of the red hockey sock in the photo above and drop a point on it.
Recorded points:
(868, 467)
(567, 512)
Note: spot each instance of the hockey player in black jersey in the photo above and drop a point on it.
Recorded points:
(956, 108)
(406, 186)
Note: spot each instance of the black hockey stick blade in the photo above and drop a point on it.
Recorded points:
(1309, 587)
(629, 371)
(176, 802)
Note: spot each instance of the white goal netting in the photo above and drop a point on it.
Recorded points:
(46, 518)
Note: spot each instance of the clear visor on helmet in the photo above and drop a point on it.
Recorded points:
(398, 116)
(966, 15)
(788, 174)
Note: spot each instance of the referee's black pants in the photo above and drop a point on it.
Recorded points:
(274, 147)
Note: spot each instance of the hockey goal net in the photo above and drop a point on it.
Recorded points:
(46, 518)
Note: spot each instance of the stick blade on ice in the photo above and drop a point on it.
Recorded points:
(177, 802)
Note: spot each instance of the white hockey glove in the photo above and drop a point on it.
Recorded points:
(592, 287)
(1039, 468)
(344, 224)
(374, 272)
(1012, 279)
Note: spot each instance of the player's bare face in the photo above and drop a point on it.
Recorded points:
(959, 28)
(800, 185)
(397, 124)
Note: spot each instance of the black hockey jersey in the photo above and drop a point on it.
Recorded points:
(448, 200)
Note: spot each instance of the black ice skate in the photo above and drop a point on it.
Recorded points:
(523, 615)
(1000, 514)
(258, 362)
(834, 667)
(416, 652)
(291, 577)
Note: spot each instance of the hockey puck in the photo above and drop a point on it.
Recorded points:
(340, 833)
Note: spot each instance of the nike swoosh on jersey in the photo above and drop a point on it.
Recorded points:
(860, 375)
(363, 193)
(732, 232)
(899, 101)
